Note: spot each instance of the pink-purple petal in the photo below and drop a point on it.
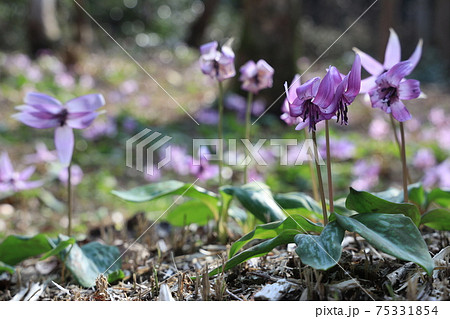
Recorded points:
(40, 98)
(325, 92)
(409, 89)
(399, 111)
(417, 54)
(64, 143)
(370, 64)
(6, 169)
(85, 103)
(354, 78)
(33, 121)
(392, 56)
(81, 122)
(396, 73)
(368, 84)
(27, 173)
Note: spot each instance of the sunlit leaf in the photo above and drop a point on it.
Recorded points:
(273, 229)
(438, 219)
(157, 190)
(4, 267)
(191, 212)
(14, 248)
(299, 200)
(364, 202)
(440, 197)
(258, 200)
(59, 248)
(285, 237)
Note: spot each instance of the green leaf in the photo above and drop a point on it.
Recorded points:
(364, 202)
(59, 248)
(416, 194)
(299, 200)
(285, 237)
(191, 212)
(440, 197)
(438, 219)
(322, 251)
(14, 249)
(87, 262)
(157, 190)
(395, 235)
(258, 200)
(5, 267)
(273, 229)
(116, 276)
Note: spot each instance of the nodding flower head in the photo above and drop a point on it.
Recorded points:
(217, 62)
(256, 76)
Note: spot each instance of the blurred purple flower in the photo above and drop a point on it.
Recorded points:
(207, 116)
(75, 178)
(218, 64)
(437, 117)
(129, 124)
(237, 103)
(311, 98)
(339, 149)
(65, 80)
(392, 57)
(291, 95)
(391, 89)
(378, 128)
(346, 91)
(443, 138)
(12, 181)
(256, 76)
(156, 176)
(366, 174)
(129, 87)
(254, 175)
(438, 175)
(43, 111)
(204, 170)
(42, 155)
(180, 161)
(99, 129)
(424, 158)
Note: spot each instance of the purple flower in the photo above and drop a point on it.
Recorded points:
(218, 64)
(75, 178)
(156, 176)
(392, 57)
(42, 155)
(207, 116)
(391, 89)
(438, 175)
(180, 161)
(43, 111)
(378, 129)
(346, 91)
(204, 170)
(340, 149)
(12, 181)
(311, 98)
(424, 158)
(291, 95)
(437, 117)
(256, 76)
(366, 174)
(129, 124)
(238, 103)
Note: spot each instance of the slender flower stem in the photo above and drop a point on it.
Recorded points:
(220, 132)
(330, 178)
(311, 170)
(394, 129)
(404, 166)
(69, 199)
(248, 114)
(319, 177)
(223, 211)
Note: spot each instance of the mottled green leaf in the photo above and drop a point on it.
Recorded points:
(321, 251)
(299, 200)
(395, 235)
(437, 218)
(364, 202)
(440, 197)
(273, 229)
